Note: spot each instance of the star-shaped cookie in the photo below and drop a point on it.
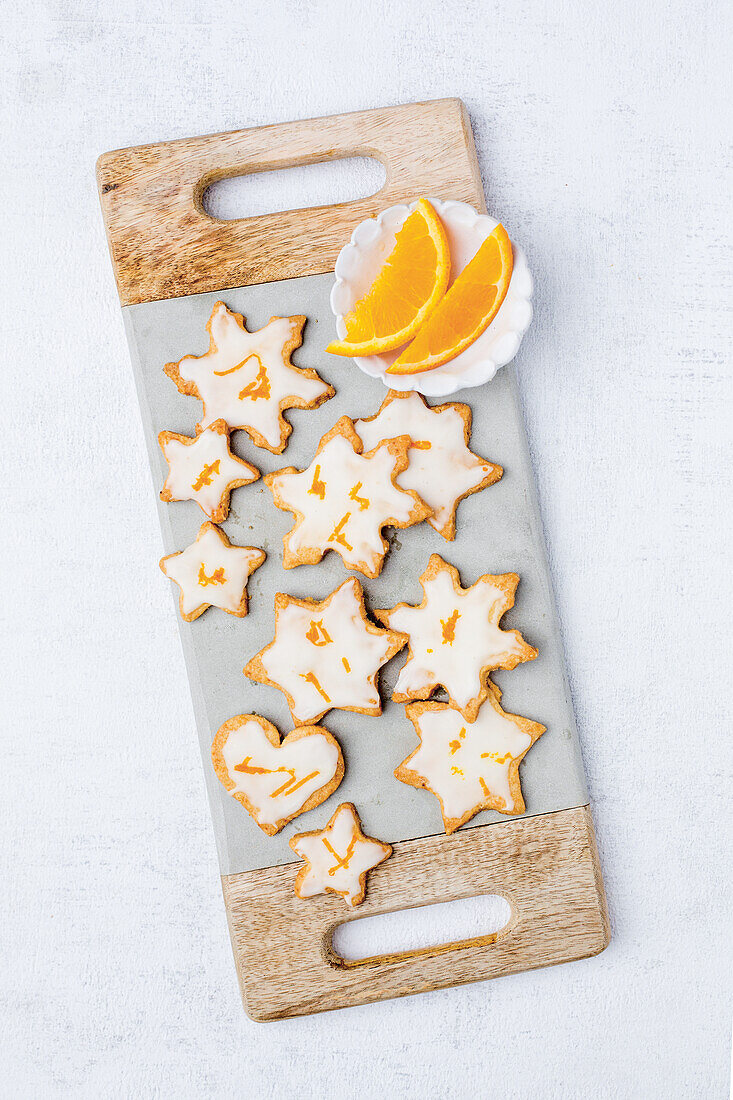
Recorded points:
(204, 469)
(469, 766)
(276, 780)
(211, 572)
(455, 638)
(247, 378)
(325, 654)
(343, 500)
(338, 858)
(442, 470)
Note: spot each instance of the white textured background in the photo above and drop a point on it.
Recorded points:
(600, 129)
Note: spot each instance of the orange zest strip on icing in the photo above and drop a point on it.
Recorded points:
(260, 384)
(346, 664)
(449, 628)
(499, 801)
(317, 633)
(250, 769)
(363, 502)
(237, 366)
(206, 476)
(454, 746)
(456, 771)
(495, 757)
(341, 861)
(311, 678)
(290, 783)
(318, 488)
(421, 444)
(302, 781)
(337, 533)
(217, 577)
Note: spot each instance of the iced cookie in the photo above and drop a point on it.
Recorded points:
(325, 654)
(204, 469)
(211, 572)
(338, 858)
(276, 780)
(455, 638)
(469, 766)
(343, 500)
(247, 378)
(442, 470)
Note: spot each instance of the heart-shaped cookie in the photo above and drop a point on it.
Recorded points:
(275, 781)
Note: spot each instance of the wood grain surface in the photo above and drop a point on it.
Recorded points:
(163, 244)
(545, 867)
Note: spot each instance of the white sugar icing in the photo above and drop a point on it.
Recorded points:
(277, 781)
(441, 467)
(466, 763)
(337, 857)
(203, 469)
(453, 638)
(327, 656)
(245, 380)
(345, 499)
(209, 572)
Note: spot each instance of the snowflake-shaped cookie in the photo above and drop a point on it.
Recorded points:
(469, 766)
(247, 379)
(204, 469)
(455, 638)
(325, 654)
(211, 572)
(338, 858)
(276, 780)
(343, 500)
(442, 470)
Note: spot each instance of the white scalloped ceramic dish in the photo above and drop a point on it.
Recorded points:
(357, 267)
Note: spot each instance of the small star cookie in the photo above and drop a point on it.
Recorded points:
(204, 469)
(338, 858)
(211, 572)
(455, 638)
(469, 766)
(442, 470)
(276, 780)
(325, 654)
(343, 500)
(247, 379)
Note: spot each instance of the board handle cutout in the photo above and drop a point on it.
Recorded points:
(546, 868)
(423, 930)
(163, 243)
(304, 186)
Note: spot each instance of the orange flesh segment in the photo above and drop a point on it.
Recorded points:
(405, 292)
(465, 312)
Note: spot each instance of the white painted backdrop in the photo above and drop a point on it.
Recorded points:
(600, 130)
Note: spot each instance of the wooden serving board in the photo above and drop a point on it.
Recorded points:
(164, 246)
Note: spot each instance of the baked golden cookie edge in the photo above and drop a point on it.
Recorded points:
(495, 472)
(273, 736)
(287, 401)
(507, 583)
(255, 668)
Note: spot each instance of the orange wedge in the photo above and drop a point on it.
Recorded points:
(406, 290)
(467, 309)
